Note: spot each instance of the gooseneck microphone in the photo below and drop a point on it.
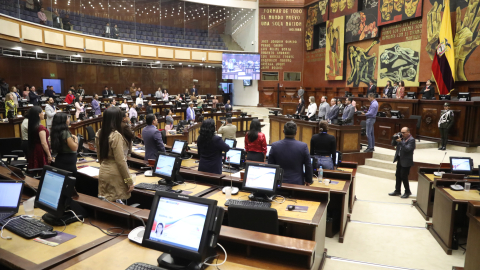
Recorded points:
(437, 173)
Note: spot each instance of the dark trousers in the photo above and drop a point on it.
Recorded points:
(444, 136)
(255, 156)
(402, 176)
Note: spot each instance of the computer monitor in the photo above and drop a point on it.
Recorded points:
(338, 158)
(411, 95)
(185, 228)
(54, 193)
(461, 165)
(395, 114)
(10, 194)
(261, 180)
(314, 163)
(168, 167)
(235, 157)
(464, 96)
(231, 142)
(269, 146)
(179, 147)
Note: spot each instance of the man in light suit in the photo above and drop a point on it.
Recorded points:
(190, 112)
(404, 158)
(108, 31)
(348, 112)
(332, 115)
(228, 131)
(194, 91)
(50, 111)
(323, 109)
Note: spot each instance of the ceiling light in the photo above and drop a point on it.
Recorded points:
(124, 59)
(17, 48)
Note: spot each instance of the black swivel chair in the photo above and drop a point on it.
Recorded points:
(11, 150)
(90, 134)
(254, 219)
(419, 122)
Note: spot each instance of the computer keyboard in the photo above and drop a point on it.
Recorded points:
(144, 266)
(247, 203)
(26, 227)
(155, 187)
(6, 215)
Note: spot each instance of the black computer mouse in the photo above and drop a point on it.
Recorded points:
(47, 234)
(291, 207)
(178, 191)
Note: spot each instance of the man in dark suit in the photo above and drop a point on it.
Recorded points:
(66, 23)
(108, 31)
(152, 138)
(348, 112)
(194, 91)
(332, 115)
(372, 88)
(428, 91)
(116, 32)
(404, 158)
(105, 91)
(56, 20)
(293, 163)
(127, 132)
(49, 92)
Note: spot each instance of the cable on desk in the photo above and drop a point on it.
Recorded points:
(9, 237)
(195, 182)
(205, 262)
(64, 224)
(274, 197)
(108, 230)
(82, 221)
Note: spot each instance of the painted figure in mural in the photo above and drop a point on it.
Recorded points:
(406, 54)
(322, 7)
(362, 65)
(398, 5)
(350, 4)
(411, 7)
(311, 21)
(322, 42)
(334, 5)
(405, 73)
(387, 9)
(370, 3)
(342, 4)
(333, 38)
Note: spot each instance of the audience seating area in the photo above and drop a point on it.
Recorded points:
(131, 31)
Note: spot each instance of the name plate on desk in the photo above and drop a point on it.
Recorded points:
(30, 105)
(19, 116)
(89, 108)
(65, 103)
(179, 108)
(90, 117)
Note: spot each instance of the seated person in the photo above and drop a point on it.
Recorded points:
(152, 138)
(323, 147)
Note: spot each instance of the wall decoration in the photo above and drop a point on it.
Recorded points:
(399, 62)
(316, 13)
(391, 11)
(342, 7)
(361, 25)
(335, 44)
(362, 63)
(370, 4)
(322, 36)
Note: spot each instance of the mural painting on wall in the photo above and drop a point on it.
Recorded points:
(316, 13)
(362, 63)
(334, 52)
(342, 7)
(361, 25)
(322, 37)
(399, 62)
(370, 4)
(391, 11)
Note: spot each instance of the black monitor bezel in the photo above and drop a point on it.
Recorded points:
(201, 254)
(396, 112)
(242, 158)
(462, 172)
(184, 149)
(257, 190)
(234, 142)
(67, 190)
(175, 170)
(2, 209)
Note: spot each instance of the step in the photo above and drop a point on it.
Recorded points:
(425, 145)
(385, 157)
(377, 172)
(462, 148)
(379, 163)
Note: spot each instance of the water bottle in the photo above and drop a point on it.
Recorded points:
(320, 174)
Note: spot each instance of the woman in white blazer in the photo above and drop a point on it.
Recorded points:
(79, 106)
(312, 108)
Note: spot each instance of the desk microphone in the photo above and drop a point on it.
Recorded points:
(20, 178)
(234, 190)
(438, 173)
(456, 187)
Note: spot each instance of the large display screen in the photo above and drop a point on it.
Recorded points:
(461, 164)
(235, 157)
(165, 165)
(51, 189)
(260, 177)
(241, 66)
(179, 223)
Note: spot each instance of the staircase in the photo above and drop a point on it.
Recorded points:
(230, 43)
(381, 165)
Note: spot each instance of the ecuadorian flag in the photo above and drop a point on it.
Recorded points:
(443, 66)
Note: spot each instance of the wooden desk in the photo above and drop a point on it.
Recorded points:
(289, 107)
(20, 253)
(347, 137)
(12, 128)
(449, 212)
(472, 255)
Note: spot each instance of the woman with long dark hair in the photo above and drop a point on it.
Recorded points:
(79, 107)
(64, 144)
(255, 142)
(114, 180)
(300, 107)
(210, 148)
(38, 147)
(168, 120)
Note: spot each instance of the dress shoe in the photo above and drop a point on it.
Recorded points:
(406, 195)
(395, 193)
(440, 148)
(366, 150)
(444, 148)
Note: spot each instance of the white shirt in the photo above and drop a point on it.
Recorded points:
(139, 101)
(312, 109)
(107, 30)
(124, 105)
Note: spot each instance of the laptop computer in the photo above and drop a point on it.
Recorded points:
(10, 193)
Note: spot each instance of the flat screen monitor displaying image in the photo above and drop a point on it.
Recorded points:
(56, 83)
(235, 157)
(10, 194)
(241, 66)
(247, 82)
(260, 178)
(461, 165)
(51, 189)
(165, 165)
(178, 147)
(230, 142)
(268, 150)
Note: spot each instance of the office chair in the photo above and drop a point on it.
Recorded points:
(164, 136)
(363, 124)
(419, 121)
(254, 219)
(11, 150)
(90, 134)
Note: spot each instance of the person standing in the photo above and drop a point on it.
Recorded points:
(10, 105)
(404, 158)
(4, 87)
(210, 148)
(133, 112)
(110, 92)
(168, 120)
(49, 92)
(105, 91)
(194, 91)
(300, 107)
(152, 138)
(133, 89)
(56, 20)
(127, 131)
(300, 93)
(228, 106)
(372, 88)
(42, 17)
(16, 96)
(401, 90)
(64, 144)
(124, 104)
(80, 90)
(139, 99)
(66, 23)
(70, 97)
(371, 116)
(190, 112)
(293, 157)
(428, 91)
(165, 95)
(50, 111)
(387, 91)
(149, 108)
(33, 97)
(228, 131)
(348, 112)
(395, 89)
(323, 108)
(214, 102)
(96, 105)
(332, 115)
(312, 108)
(38, 147)
(114, 180)
(159, 93)
(116, 32)
(79, 107)
(255, 142)
(444, 125)
(323, 147)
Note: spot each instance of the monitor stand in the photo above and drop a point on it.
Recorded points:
(67, 217)
(259, 197)
(169, 262)
(178, 180)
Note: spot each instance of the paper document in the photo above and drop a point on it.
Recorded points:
(90, 171)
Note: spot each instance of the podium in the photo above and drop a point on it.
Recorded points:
(348, 137)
